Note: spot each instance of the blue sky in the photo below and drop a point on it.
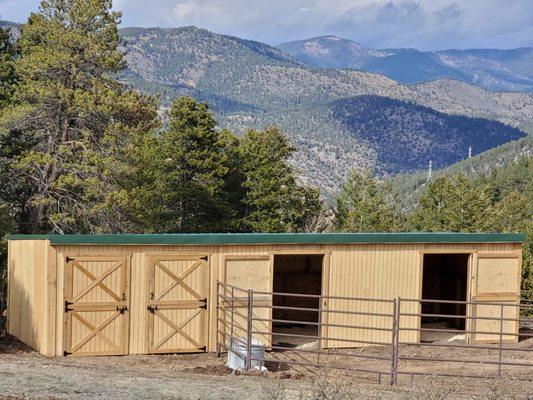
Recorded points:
(423, 24)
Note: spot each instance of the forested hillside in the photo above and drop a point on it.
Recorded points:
(411, 186)
(255, 74)
(407, 136)
(379, 133)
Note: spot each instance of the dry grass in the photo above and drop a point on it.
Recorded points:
(433, 388)
(492, 389)
(331, 387)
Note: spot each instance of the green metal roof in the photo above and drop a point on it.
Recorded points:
(278, 238)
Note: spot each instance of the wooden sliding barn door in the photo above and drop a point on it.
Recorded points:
(96, 305)
(498, 282)
(177, 303)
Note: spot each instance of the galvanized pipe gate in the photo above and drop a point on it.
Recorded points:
(338, 334)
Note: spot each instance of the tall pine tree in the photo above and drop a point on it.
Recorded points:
(70, 114)
(187, 174)
(363, 205)
(455, 205)
(274, 201)
(8, 77)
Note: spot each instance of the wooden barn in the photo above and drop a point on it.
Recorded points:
(146, 294)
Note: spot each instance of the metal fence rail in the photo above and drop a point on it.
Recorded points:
(500, 348)
(383, 345)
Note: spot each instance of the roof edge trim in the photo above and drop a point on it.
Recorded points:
(274, 238)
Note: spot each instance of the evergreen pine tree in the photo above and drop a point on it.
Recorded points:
(365, 206)
(189, 172)
(8, 76)
(8, 194)
(234, 190)
(455, 205)
(511, 214)
(70, 114)
(274, 201)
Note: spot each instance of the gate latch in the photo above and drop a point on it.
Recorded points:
(122, 309)
(152, 308)
(67, 306)
(204, 305)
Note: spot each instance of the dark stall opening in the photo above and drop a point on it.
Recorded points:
(296, 274)
(445, 277)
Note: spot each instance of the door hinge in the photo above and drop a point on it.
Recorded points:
(204, 305)
(67, 306)
(69, 259)
(152, 309)
(66, 353)
(204, 348)
(205, 258)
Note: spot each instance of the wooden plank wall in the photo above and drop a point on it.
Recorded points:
(374, 271)
(359, 270)
(27, 287)
(251, 272)
(387, 271)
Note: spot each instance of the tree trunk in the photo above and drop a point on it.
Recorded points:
(49, 176)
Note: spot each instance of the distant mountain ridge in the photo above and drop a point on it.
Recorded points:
(331, 52)
(491, 69)
(250, 85)
(339, 119)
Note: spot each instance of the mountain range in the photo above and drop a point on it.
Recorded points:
(492, 69)
(334, 116)
(340, 119)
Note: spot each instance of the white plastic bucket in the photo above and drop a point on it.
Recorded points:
(237, 354)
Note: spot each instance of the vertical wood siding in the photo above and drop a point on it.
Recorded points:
(382, 271)
(27, 265)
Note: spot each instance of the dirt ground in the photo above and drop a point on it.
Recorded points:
(26, 375)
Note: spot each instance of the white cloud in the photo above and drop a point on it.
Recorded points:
(185, 9)
(424, 24)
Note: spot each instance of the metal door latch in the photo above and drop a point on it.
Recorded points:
(204, 305)
(122, 309)
(152, 308)
(67, 306)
